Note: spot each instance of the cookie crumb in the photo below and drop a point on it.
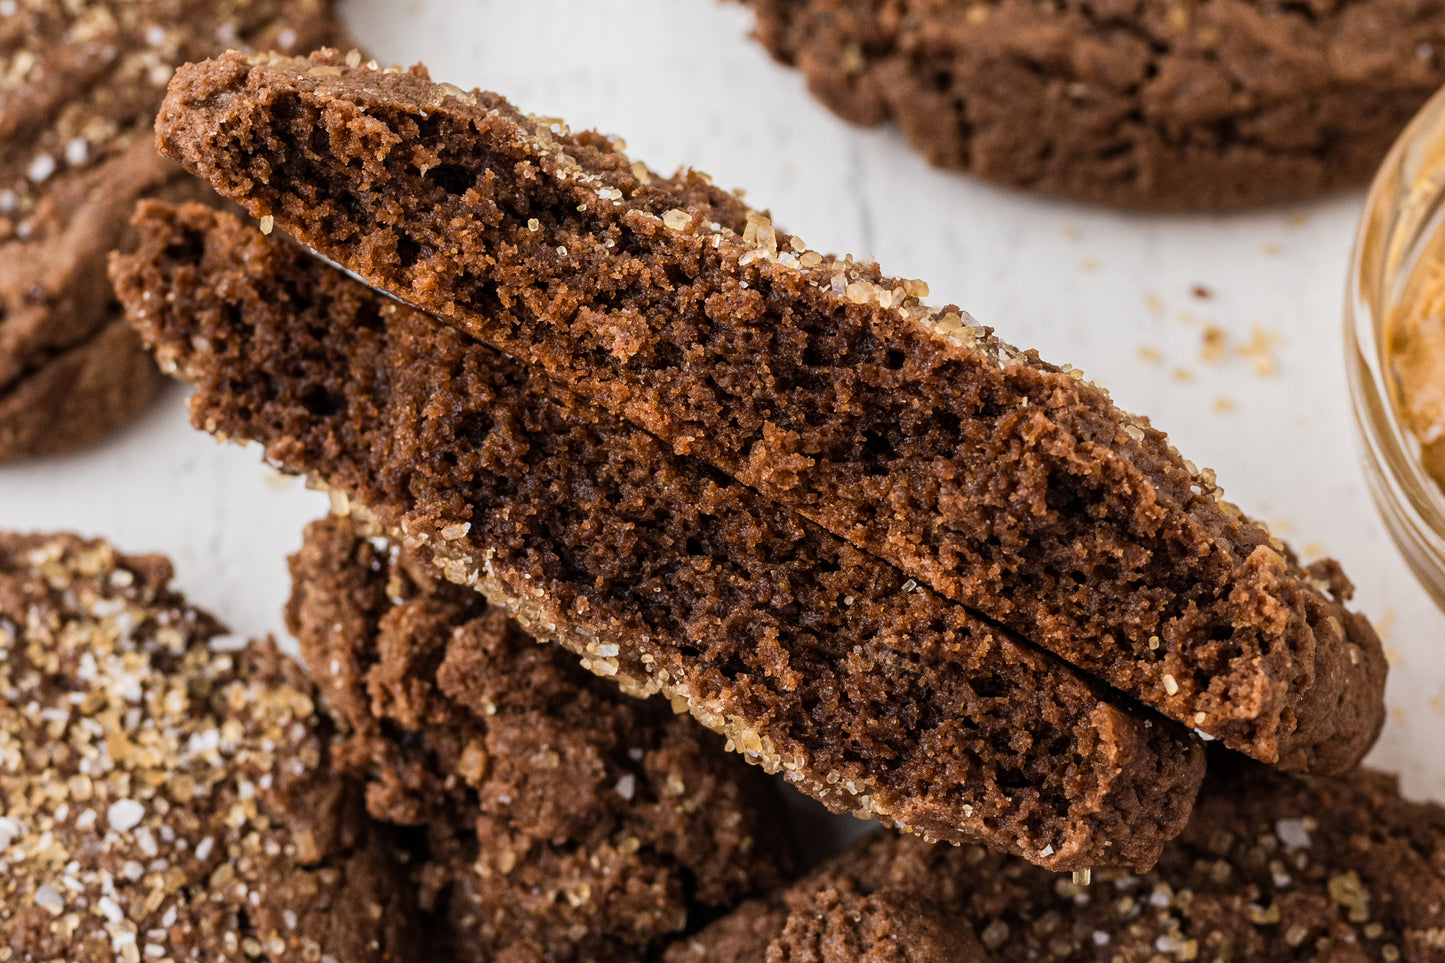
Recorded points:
(1215, 344)
(1259, 350)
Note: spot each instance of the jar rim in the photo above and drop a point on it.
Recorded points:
(1403, 211)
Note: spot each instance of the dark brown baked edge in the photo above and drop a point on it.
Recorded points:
(78, 396)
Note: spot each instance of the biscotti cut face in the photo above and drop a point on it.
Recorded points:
(165, 793)
(80, 83)
(870, 692)
(1001, 481)
(566, 820)
(1154, 104)
(1271, 867)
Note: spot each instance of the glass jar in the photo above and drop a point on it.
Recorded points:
(1398, 244)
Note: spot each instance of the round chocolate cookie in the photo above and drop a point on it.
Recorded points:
(1272, 867)
(1174, 104)
(80, 84)
(166, 794)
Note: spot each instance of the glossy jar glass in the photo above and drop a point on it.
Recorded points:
(1399, 242)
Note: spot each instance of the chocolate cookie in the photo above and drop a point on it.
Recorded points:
(166, 794)
(1272, 867)
(829, 920)
(1159, 104)
(79, 87)
(865, 689)
(567, 821)
(1003, 482)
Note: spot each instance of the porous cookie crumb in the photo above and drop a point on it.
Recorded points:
(864, 688)
(1008, 484)
(1165, 104)
(79, 87)
(166, 792)
(1271, 868)
(565, 819)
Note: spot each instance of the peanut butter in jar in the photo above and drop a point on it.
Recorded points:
(1415, 347)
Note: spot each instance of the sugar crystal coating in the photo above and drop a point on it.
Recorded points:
(163, 800)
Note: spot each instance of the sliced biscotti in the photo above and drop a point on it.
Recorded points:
(165, 793)
(566, 820)
(999, 480)
(1271, 867)
(869, 691)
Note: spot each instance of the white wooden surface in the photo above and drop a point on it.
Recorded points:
(683, 83)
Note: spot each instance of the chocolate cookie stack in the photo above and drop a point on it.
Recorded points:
(167, 792)
(80, 83)
(813, 658)
(922, 574)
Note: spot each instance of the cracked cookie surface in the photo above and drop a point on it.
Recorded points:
(1005, 483)
(566, 820)
(1271, 867)
(1143, 103)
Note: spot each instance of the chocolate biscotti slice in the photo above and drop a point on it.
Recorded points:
(868, 691)
(567, 821)
(80, 83)
(1156, 104)
(1271, 867)
(165, 793)
(1001, 481)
